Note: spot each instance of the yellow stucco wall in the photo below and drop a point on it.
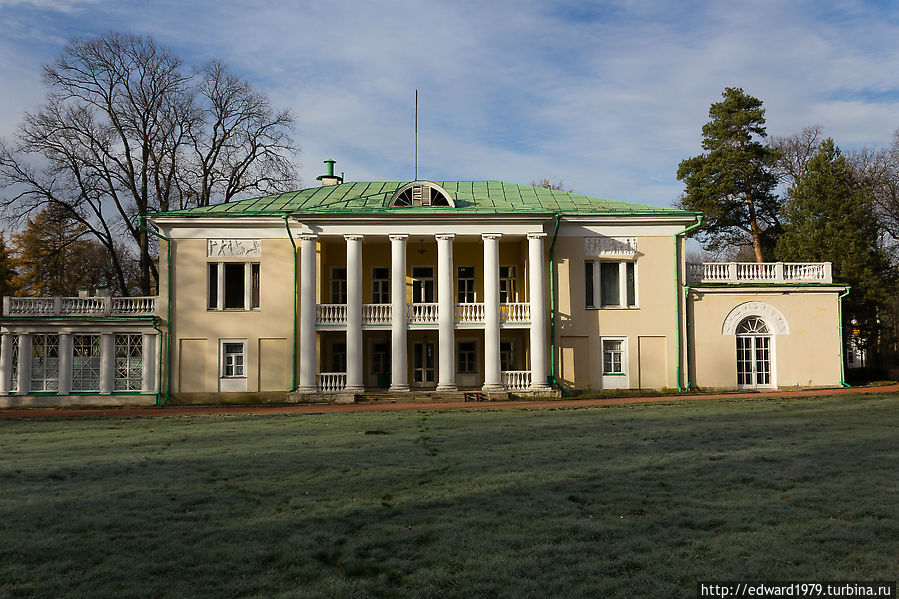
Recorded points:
(808, 356)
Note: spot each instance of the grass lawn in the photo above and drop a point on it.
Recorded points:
(634, 501)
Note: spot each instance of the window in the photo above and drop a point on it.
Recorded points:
(14, 365)
(85, 362)
(129, 362)
(338, 357)
(507, 356)
(338, 285)
(468, 356)
(380, 286)
(44, 362)
(233, 285)
(465, 293)
(234, 359)
(380, 358)
(613, 283)
(422, 284)
(507, 290)
(612, 356)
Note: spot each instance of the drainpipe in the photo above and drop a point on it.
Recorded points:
(552, 309)
(165, 380)
(293, 353)
(687, 327)
(842, 358)
(677, 298)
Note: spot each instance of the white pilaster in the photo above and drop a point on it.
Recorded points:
(5, 362)
(399, 379)
(492, 379)
(107, 363)
(354, 314)
(308, 300)
(24, 364)
(64, 382)
(148, 363)
(446, 314)
(537, 295)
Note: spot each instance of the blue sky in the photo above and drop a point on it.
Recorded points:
(607, 96)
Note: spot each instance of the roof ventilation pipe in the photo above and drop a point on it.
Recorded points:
(329, 178)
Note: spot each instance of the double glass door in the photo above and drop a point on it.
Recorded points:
(753, 361)
(424, 359)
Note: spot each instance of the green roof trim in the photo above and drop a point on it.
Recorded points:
(477, 197)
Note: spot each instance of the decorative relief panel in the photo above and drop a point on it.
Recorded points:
(610, 246)
(233, 248)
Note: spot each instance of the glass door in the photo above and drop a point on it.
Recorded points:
(423, 363)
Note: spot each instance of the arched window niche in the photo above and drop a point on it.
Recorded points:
(421, 193)
(765, 315)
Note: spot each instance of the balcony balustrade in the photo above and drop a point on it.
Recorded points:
(380, 315)
(80, 306)
(423, 313)
(754, 272)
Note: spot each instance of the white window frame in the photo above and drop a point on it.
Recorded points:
(474, 361)
(469, 288)
(614, 380)
(623, 304)
(233, 382)
(220, 286)
(380, 287)
(512, 284)
(342, 292)
(98, 358)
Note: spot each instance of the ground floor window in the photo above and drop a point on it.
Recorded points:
(507, 359)
(612, 356)
(234, 358)
(338, 357)
(129, 361)
(424, 357)
(85, 362)
(468, 357)
(45, 362)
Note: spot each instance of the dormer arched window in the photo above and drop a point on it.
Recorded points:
(421, 193)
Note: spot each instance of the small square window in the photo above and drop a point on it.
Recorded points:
(612, 356)
(233, 359)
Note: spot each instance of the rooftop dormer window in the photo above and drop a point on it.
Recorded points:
(421, 193)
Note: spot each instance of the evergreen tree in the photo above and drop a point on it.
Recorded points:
(830, 218)
(733, 182)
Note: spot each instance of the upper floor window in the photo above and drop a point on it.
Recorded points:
(508, 292)
(465, 293)
(421, 193)
(338, 285)
(233, 285)
(380, 286)
(610, 284)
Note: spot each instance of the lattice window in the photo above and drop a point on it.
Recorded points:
(129, 362)
(14, 363)
(45, 362)
(85, 362)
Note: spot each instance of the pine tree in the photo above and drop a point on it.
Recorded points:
(733, 183)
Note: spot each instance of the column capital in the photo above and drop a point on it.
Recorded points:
(398, 236)
(307, 237)
(536, 235)
(353, 237)
(445, 236)
(486, 236)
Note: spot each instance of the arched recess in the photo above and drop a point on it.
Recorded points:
(421, 193)
(777, 323)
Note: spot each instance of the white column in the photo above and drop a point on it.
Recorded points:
(107, 363)
(354, 314)
(307, 313)
(492, 380)
(537, 295)
(446, 314)
(64, 382)
(5, 361)
(399, 379)
(24, 364)
(148, 363)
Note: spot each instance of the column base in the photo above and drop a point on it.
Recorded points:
(540, 387)
(399, 388)
(492, 387)
(354, 389)
(447, 387)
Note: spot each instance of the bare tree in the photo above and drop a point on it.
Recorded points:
(125, 131)
(879, 168)
(794, 152)
(548, 184)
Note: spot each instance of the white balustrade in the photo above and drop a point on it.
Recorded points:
(422, 313)
(376, 314)
(331, 382)
(470, 313)
(330, 314)
(759, 272)
(516, 380)
(80, 306)
(515, 312)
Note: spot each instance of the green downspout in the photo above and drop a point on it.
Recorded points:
(552, 309)
(677, 299)
(164, 379)
(293, 353)
(842, 345)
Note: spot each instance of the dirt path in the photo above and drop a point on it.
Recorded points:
(145, 412)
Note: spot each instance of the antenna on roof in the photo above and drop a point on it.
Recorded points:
(415, 161)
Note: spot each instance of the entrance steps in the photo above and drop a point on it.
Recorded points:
(416, 395)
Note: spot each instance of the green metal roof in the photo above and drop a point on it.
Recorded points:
(488, 197)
